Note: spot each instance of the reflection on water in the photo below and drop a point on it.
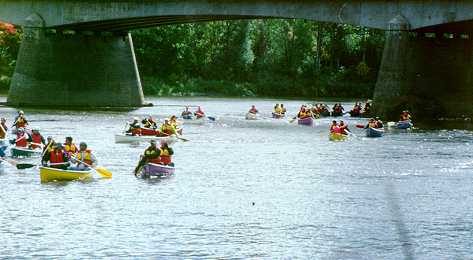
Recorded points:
(246, 189)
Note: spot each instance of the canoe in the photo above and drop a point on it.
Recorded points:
(374, 132)
(278, 116)
(306, 121)
(24, 152)
(195, 121)
(251, 116)
(355, 114)
(157, 170)
(335, 137)
(51, 174)
(336, 114)
(123, 138)
(149, 131)
(404, 124)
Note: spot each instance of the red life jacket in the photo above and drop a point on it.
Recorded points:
(36, 138)
(155, 160)
(136, 131)
(56, 157)
(22, 140)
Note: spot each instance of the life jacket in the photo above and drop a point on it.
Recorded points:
(3, 131)
(20, 122)
(168, 129)
(165, 157)
(70, 149)
(56, 157)
(199, 113)
(278, 110)
(36, 140)
(87, 158)
(253, 111)
(152, 156)
(22, 140)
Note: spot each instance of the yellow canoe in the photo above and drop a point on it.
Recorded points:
(337, 137)
(51, 174)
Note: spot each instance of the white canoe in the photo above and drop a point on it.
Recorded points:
(199, 121)
(251, 116)
(123, 138)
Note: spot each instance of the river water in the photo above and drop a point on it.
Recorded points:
(246, 189)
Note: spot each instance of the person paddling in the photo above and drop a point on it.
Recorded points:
(84, 159)
(134, 127)
(21, 138)
(149, 123)
(344, 128)
(199, 113)
(334, 128)
(253, 110)
(150, 155)
(3, 128)
(36, 139)
(405, 116)
(20, 120)
(186, 114)
(57, 158)
(166, 153)
(69, 147)
(167, 128)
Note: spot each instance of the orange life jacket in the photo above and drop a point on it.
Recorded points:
(56, 157)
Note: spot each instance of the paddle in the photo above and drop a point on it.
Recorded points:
(22, 166)
(100, 170)
(211, 118)
(292, 120)
(177, 136)
(360, 126)
(10, 161)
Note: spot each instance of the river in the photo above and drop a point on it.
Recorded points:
(261, 189)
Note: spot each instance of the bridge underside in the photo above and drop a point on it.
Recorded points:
(428, 71)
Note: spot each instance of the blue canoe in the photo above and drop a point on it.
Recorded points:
(404, 124)
(374, 132)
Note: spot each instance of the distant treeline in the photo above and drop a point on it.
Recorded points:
(260, 57)
(279, 58)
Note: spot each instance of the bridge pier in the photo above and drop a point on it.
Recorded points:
(428, 72)
(75, 70)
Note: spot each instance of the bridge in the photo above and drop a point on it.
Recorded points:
(79, 53)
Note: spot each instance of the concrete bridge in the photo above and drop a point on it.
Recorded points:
(79, 53)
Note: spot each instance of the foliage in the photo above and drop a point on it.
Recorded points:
(9, 46)
(268, 57)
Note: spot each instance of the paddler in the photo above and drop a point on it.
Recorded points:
(283, 109)
(166, 153)
(302, 113)
(173, 121)
(69, 147)
(405, 116)
(167, 128)
(36, 139)
(343, 128)
(84, 159)
(334, 128)
(379, 123)
(3, 128)
(149, 123)
(50, 144)
(253, 110)
(57, 158)
(186, 114)
(134, 127)
(150, 155)
(278, 109)
(199, 113)
(21, 138)
(20, 120)
(372, 123)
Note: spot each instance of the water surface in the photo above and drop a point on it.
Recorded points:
(246, 189)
